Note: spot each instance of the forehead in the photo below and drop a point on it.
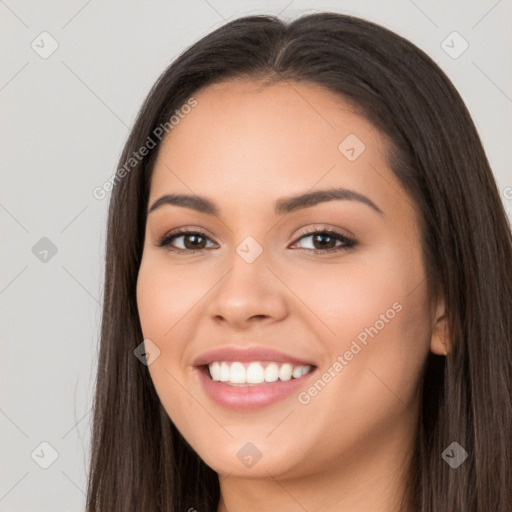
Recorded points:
(251, 141)
(243, 114)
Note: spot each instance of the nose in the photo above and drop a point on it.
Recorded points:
(248, 292)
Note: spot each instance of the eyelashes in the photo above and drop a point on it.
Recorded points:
(185, 233)
(321, 236)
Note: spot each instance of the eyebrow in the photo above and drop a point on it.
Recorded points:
(282, 206)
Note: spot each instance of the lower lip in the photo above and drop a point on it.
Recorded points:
(249, 398)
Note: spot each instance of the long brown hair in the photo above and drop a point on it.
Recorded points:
(139, 461)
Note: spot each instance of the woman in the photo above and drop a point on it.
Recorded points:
(308, 285)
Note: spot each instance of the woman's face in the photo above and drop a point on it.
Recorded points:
(257, 276)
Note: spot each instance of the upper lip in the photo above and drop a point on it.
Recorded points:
(246, 354)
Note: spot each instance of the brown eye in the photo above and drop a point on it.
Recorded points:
(194, 241)
(325, 241)
(190, 241)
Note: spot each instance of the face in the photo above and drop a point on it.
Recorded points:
(336, 283)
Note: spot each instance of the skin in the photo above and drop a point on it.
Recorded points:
(243, 146)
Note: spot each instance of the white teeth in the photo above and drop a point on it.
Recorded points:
(297, 372)
(237, 373)
(224, 372)
(271, 372)
(255, 373)
(285, 372)
(215, 371)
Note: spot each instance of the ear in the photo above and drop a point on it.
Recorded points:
(440, 339)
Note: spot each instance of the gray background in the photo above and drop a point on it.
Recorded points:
(64, 121)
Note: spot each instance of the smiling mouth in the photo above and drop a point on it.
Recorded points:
(255, 373)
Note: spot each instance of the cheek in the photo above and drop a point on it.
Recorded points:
(373, 312)
(164, 296)
(167, 300)
(342, 299)
(392, 329)
(163, 299)
(150, 306)
(380, 345)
